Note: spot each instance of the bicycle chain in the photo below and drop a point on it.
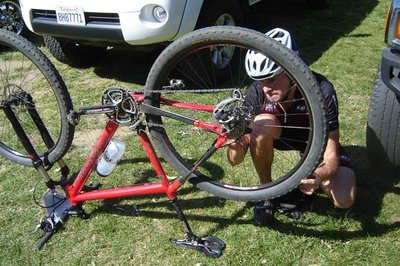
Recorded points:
(179, 91)
(170, 91)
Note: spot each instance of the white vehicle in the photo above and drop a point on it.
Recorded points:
(70, 27)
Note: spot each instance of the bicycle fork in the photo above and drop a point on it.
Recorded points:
(37, 162)
(56, 213)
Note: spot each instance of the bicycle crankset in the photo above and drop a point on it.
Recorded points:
(126, 109)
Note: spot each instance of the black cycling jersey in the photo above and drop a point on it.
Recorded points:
(255, 98)
(296, 115)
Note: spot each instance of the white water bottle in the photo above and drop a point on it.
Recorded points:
(110, 157)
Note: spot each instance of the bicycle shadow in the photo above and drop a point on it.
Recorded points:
(149, 173)
(372, 188)
(114, 206)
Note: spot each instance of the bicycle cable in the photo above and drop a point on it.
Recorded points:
(56, 204)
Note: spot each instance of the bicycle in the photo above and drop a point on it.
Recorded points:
(203, 76)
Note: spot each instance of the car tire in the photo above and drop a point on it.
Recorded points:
(383, 128)
(318, 4)
(71, 53)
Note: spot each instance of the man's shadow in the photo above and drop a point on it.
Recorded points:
(372, 187)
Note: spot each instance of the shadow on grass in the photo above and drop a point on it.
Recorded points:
(372, 188)
(314, 31)
(126, 65)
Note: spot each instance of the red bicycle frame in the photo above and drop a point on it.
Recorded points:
(75, 192)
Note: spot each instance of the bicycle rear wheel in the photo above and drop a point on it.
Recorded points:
(26, 72)
(195, 61)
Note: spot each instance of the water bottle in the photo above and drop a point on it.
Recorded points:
(110, 157)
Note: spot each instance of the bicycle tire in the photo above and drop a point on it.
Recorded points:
(177, 61)
(24, 68)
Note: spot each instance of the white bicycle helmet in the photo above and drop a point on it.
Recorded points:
(258, 66)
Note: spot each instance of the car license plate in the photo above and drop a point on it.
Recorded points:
(70, 15)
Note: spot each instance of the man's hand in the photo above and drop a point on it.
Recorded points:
(310, 185)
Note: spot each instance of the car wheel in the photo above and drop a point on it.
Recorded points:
(319, 3)
(11, 17)
(221, 13)
(72, 53)
(383, 129)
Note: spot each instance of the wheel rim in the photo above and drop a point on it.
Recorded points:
(221, 56)
(11, 17)
(175, 146)
(225, 20)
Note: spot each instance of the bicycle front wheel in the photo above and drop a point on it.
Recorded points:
(209, 64)
(39, 99)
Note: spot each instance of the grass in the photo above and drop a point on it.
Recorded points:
(344, 43)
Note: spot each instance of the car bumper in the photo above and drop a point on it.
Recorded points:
(44, 22)
(122, 22)
(390, 70)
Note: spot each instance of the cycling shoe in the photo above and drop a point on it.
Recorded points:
(264, 212)
(294, 204)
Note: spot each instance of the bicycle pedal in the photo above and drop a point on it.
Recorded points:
(210, 246)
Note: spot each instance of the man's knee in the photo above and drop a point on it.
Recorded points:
(342, 188)
(344, 202)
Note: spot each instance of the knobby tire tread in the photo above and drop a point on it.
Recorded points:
(55, 81)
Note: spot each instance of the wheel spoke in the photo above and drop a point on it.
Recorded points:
(37, 97)
(220, 64)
